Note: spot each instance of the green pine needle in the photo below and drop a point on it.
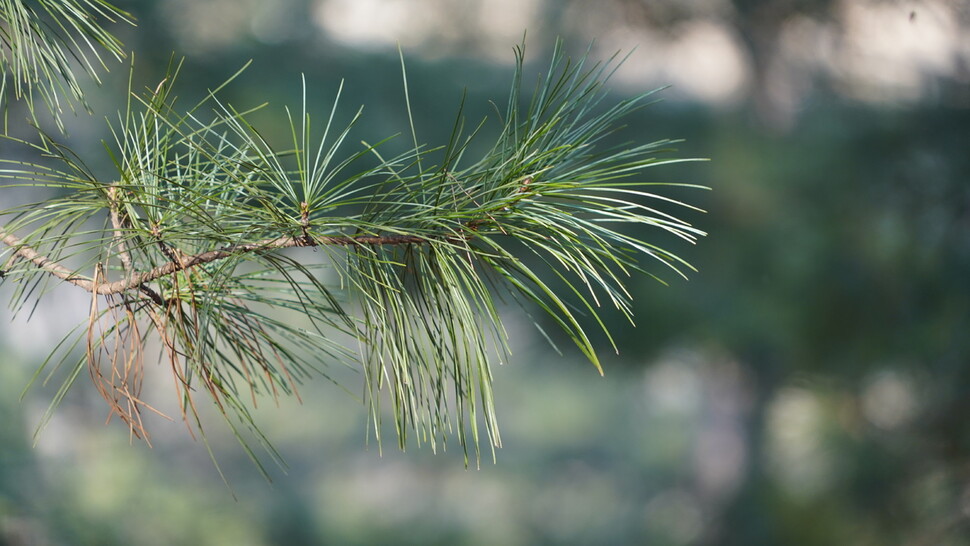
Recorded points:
(40, 43)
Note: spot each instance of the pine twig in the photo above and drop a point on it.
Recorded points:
(138, 280)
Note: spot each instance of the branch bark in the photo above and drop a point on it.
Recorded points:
(135, 279)
(43, 262)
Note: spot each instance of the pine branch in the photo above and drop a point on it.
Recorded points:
(43, 262)
(429, 242)
(135, 279)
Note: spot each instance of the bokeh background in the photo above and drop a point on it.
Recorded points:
(809, 385)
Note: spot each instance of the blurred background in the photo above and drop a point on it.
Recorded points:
(809, 385)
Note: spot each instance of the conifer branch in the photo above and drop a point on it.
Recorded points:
(136, 279)
(432, 244)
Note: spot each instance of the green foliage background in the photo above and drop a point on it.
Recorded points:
(743, 409)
